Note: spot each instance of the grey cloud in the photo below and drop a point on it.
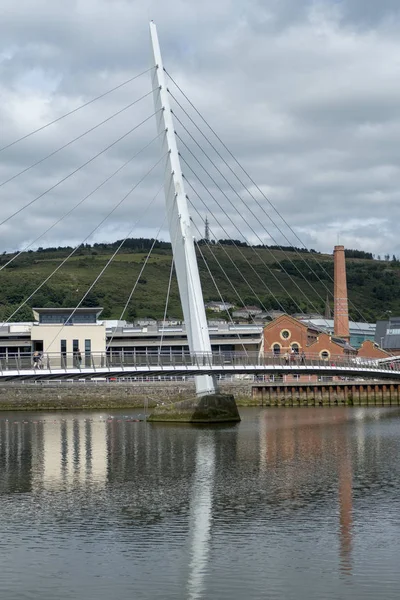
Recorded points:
(305, 93)
(370, 12)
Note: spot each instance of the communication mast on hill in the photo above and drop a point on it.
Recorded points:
(207, 231)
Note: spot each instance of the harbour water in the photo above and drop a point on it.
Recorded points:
(290, 504)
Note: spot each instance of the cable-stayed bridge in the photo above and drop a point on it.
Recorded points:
(202, 179)
(130, 366)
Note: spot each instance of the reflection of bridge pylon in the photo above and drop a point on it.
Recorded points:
(201, 514)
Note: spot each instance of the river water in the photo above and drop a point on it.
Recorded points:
(288, 504)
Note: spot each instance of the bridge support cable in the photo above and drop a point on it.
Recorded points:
(302, 276)
(77, 169)
(171, 271)
(308, 300)
(239, 250)
(219, 291)
(75, 110)
(168, 294)
(320, 265)
(75, 139)
(295, 302)
(65, 215)
(127, 303)
(132, 189)
(210, 249)
(99, 276)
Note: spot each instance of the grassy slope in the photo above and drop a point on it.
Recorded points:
(75, 277)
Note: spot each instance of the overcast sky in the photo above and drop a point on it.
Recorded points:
(305, 93)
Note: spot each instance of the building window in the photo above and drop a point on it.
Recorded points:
(76, 353)
(38, 345)
(276, 349)
(88, 350)
(285, 334)
(324, 354)
(63, 348)
(295, 347)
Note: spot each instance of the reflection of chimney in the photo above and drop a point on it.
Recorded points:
(341, 315)
(346, 516)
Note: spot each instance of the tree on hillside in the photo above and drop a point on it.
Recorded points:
(25, 314)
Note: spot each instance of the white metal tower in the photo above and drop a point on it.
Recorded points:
(180, 227)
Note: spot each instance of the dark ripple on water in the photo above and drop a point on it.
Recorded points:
(289, 504)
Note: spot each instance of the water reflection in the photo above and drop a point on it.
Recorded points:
(201, 514)
(312, 448)
(73, 453)
(275, 499)
(346, 512)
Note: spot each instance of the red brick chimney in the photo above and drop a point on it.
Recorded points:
(341, 314)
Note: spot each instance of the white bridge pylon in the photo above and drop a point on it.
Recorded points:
(180, 227)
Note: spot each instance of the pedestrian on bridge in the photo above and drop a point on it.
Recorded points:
(36, 360)
(78, 358)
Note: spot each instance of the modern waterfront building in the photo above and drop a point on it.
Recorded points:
(63, 332)
(172, 339)
(67, 332)
(60, 333)
(387, 335)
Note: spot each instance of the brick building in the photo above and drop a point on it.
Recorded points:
(287, 333)
(370, 349)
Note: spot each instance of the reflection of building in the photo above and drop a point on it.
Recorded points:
(308, 450)
(72, 452)
(61, 453)
(16, 453)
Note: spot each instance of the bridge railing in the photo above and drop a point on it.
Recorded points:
(112, 359)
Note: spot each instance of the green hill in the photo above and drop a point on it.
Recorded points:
(274, 275)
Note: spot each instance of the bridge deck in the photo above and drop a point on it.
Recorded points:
(132, 371)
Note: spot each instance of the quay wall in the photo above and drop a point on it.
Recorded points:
(366, 393)
(103, 396)
(75, 396)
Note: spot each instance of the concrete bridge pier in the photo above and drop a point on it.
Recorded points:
(213, 408)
